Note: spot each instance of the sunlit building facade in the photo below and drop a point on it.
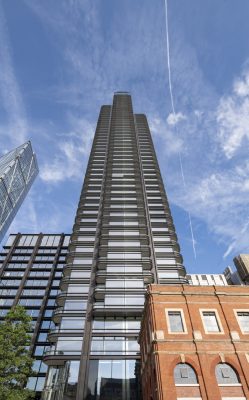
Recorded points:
(241, 275)
(123, 238)
(195, 343)
(18, 169)
(241, 263)
(30, 273)
(207, 279)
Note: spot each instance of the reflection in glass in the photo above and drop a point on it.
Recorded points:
(72, 380)
(113, 380)
(72, 323)
(62, 382)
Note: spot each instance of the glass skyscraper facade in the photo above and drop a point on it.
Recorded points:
(18, 169)
(123, 238)
(30, 273)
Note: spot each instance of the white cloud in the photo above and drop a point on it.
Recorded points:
(233, 117)
(173, 119)
(198, 114)
(239, 240)
(220, 200)
(159, 129)
(241, 85)
(71, 150)
(99, 61)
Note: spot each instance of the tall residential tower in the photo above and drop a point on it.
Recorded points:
(123, 239)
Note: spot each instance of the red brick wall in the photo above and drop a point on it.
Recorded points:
(201, 350)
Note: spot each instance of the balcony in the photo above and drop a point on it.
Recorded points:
(100, 309)
(101, 275)
(63, 296)
(58, 331)
(60, 312)
(101, 290)
(66, 280)
(58, 357)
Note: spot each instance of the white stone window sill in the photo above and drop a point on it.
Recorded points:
(187, 384)
(229, 384)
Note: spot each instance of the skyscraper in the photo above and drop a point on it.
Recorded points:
(241, 262)
(123, 238)
(18, 169)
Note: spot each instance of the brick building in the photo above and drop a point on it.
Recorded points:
(195, 343)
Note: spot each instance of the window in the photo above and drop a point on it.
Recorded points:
(243, 320)
(30, 302)
(40, 384)
(33, 292)
(80, 274)
(114, 345)
(127, 223)
(72, 324)
(39, 350)
(33, 313)
(184, 374)
(211, 321)
(69, 345)
(77, 305)
(225, 374)
(161, 239)
(129, 283)
(47, 325)
(165, 261)
(129, 301)
(124, 256)
(42, 337)
(84, 249)
(124, 233)
(164, 249)
(77, 289)
(6, 302)
(124, 243)
(175, 321)
(167, 275)
(103, 374)
(86, 238)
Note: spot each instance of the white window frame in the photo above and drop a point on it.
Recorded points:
(236, 310)
(167, 310)
(221, 332)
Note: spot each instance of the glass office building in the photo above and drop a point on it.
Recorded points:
(30, 273)
(18, 169)
(241, 263)
(123, 238)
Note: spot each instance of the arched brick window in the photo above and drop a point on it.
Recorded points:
(225, 374)
(184, 374)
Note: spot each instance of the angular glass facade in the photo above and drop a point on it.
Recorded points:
(30, 273)
(123, 238)
(18, 169)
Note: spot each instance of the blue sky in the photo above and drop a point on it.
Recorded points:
(62, 59)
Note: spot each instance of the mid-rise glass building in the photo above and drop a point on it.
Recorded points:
(123, 238)
(18, 169)
(30, 273)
